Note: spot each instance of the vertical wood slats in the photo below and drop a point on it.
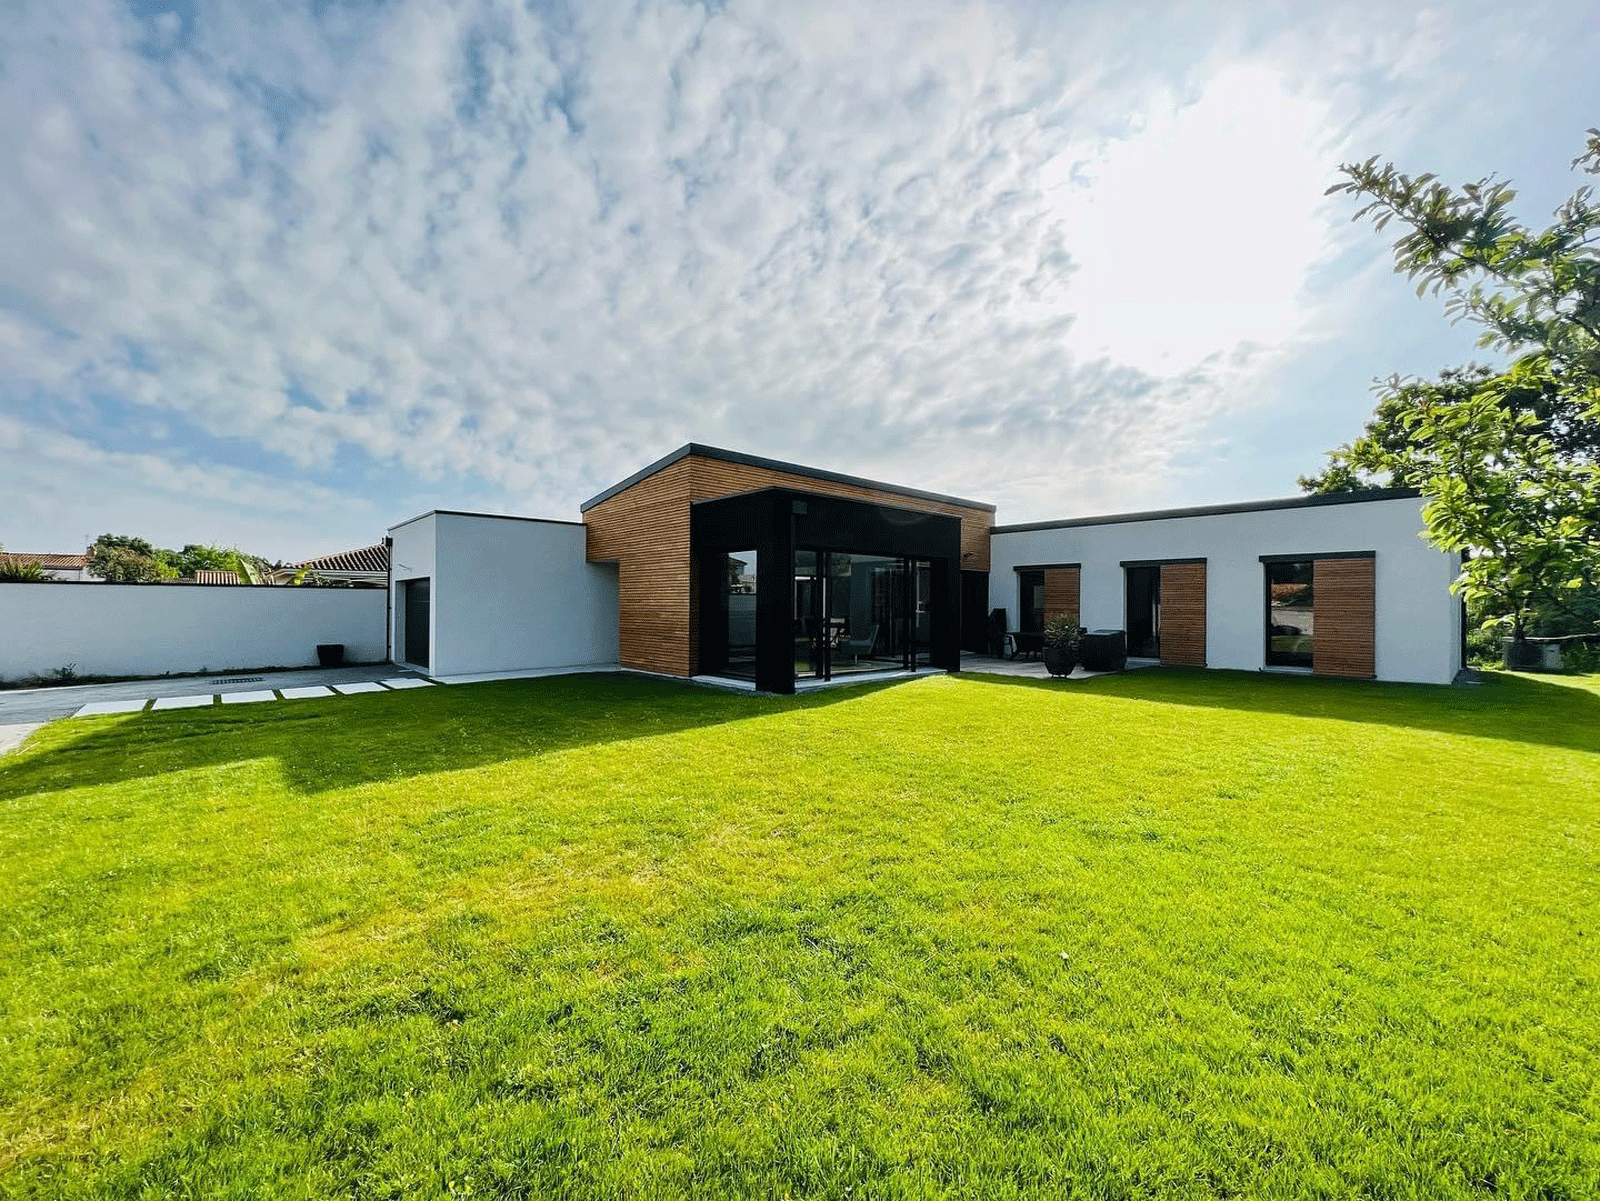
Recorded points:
(645, 530)
(1344, 615)
(1183, 614)
(1061, 591)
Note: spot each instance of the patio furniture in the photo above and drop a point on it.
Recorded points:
(1026, 642)
(857, 647)
(1104, 650)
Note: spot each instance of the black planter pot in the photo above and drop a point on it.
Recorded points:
(1059, 661)
(330, 654)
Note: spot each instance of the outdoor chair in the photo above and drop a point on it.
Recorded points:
(858, 648)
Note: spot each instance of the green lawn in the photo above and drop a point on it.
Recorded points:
(1164, 934)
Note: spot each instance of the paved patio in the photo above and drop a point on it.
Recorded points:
(989, 665)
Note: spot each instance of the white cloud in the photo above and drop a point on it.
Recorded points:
(535, 250)
(1194, 235)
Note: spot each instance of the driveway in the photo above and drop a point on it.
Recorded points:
(24, 710)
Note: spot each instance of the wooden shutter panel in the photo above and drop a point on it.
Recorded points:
(1183, 614)
(1343, 617)
(1061, 592)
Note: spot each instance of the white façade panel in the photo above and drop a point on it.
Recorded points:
(1418, 618)
(512, 594)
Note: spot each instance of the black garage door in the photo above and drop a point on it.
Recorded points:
(416, 603)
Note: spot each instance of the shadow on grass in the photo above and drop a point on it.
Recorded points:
(1539, 712)
(338, 742)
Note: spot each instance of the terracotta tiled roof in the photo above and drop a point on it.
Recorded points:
(368, 558)
(217, 577)
(60, 562)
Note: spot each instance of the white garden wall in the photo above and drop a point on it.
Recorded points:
(1418, 619)
(152, 629)
(507, 593)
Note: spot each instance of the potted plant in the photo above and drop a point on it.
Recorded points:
(1062, 640)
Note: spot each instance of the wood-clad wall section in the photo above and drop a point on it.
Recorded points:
(1343, 618)
(1061, 591)
(1183, 614)
(644, 529)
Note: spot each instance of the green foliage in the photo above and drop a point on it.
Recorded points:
(121, 558)
(1506, 459)
(124, 559)
(1063, 633)
(15, 571)
(1167, 934)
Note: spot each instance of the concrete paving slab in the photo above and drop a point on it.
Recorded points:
(14, 735)
(249, 698)
(185, 702)
(408, 682)
(26, 706)
(300, 694)
(96, 708)
(363, 686)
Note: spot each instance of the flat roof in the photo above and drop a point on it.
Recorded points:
(1249, 506)
(484, 516)
(814, 473)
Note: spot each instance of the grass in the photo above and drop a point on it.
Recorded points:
(1168, 934)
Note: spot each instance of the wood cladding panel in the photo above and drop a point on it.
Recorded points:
(1344, 618)
(644, 529)
(1061, 591)
(1183, 614)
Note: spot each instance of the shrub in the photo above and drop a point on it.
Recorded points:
(1064, 633)
(1580, 658)
(18, 571)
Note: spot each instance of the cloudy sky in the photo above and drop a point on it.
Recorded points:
(280, 276)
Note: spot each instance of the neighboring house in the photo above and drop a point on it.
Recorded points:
(214, 576)
(366, 567)
(74, 568)
(715, 564)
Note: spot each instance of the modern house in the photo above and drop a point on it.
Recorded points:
(715, 565)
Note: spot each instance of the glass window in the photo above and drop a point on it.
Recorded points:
(1289, 608)
(739, 599)
(1032, 615)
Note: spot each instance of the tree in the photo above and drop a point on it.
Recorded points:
(1506, 459)
(123, 559)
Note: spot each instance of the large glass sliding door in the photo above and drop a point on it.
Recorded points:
(737, 589)
(860, 612)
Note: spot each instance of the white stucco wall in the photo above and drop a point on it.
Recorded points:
(508, 594)
(412, 555)
(150, 629)
(1418, 626)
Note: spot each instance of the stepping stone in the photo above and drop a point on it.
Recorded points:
(184, 702)
(96, 708)
(406, 682)
(300, 694)
(362, 686)
(249, 698)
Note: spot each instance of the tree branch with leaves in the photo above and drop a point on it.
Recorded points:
(1506, 459)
